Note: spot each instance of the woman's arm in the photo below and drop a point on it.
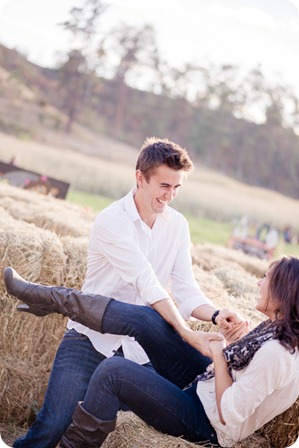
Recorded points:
(223, 379)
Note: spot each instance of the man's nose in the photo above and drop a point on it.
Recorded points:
(170, 194)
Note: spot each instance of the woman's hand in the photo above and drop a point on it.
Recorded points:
(216, 346)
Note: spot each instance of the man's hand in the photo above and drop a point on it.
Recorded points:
(236, 332)
(201, 340)
(232, 325)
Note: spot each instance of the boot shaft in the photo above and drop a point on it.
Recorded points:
(87, 309)
(86, 430)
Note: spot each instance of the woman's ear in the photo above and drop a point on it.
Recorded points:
(276, 312)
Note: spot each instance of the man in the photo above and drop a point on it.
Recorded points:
(139, 247)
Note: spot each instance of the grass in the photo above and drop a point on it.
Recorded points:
(94, 201)
(202, 230)
(208, 231)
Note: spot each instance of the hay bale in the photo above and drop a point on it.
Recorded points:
(211, 285)
(132, 432)
(242, 291)
(205, 259)
(283, 430)
(212, 256)
(37, 254)
(236, 280)
(75, 250)
(10, 432)
(229, 285)
(28, 347)
(46, 212)
(25, 336)
(62, 223)
(18, 399)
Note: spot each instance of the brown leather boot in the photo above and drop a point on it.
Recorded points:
(86, 431)
(42, 300)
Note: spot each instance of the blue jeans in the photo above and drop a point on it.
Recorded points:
(170, 355)
(75, 362)
(157, 398)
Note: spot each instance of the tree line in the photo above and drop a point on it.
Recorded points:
(116, 82)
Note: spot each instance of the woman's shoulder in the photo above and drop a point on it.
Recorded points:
(275, 344)
(276, 353)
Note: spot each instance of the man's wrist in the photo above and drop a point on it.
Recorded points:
(214, 316)
(185, 332)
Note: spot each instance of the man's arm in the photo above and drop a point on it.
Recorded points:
(231, 324)
(227, 320)
(198, 339)
(190, 298)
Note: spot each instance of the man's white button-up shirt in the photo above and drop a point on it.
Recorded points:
(132, 263)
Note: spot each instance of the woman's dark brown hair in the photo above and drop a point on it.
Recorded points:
(284, 287)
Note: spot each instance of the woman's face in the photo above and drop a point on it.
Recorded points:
(266, 304)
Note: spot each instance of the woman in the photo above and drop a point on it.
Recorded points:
(250, 382)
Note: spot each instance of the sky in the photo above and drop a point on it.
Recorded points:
(241, 32)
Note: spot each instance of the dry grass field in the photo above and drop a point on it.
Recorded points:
(45, 239)
(103, 166)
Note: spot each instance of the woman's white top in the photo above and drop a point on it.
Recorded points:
(265, 388)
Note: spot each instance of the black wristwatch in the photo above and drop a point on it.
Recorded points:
(213, 318)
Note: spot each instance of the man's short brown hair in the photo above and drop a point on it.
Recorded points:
(161, 151)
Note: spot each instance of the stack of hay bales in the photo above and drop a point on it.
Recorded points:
(45, 240)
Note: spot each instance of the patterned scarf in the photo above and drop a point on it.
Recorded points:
(239, 354)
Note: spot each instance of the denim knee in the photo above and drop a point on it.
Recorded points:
(109, 367)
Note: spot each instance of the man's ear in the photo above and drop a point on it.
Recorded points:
(139, 178)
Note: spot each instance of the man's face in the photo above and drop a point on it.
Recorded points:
(159, 190)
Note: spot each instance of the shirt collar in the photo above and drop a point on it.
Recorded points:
(132, 211)
(130, 205)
